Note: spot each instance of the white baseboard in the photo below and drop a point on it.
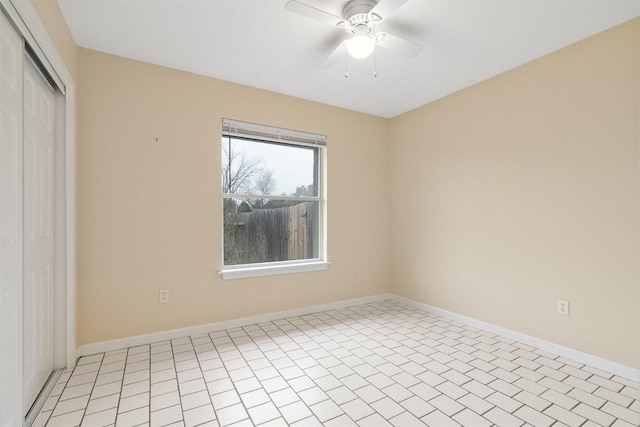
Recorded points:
(597, 362)
(117, 344)
(615, 368)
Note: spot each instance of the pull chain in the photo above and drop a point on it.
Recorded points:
(375, 64)
(346, 66)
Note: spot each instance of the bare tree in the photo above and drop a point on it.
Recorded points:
(264, 184)
(237, 170)
(237, 173)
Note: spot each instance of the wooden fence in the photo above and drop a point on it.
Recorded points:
(267, 235)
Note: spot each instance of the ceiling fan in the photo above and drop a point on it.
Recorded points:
(359, 20)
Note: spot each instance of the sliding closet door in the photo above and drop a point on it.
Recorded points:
(11, 61)
(38, 152)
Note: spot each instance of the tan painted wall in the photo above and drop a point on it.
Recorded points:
(524, 189)
(51, 16)
(149, 213)
(507, 196)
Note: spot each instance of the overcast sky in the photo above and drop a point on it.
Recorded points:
(292, 166)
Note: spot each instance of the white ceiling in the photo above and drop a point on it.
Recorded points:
(258, 43)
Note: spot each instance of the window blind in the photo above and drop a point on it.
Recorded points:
(236, 128)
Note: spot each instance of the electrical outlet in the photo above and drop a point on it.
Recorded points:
(563, 307)
(164, 296)
(359, 273)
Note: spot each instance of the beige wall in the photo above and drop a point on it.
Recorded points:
(51, 16)
(524, 189)
(149, 213)
(507, 196)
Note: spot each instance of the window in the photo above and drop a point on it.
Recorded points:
(272, 200)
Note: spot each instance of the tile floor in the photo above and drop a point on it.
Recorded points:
(376, 364)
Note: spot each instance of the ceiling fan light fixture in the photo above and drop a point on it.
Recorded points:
(361, 46)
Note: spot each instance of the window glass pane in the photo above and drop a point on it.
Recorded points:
(254, 168)
(257, 231)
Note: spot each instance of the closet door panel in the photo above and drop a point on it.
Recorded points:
(11, 224)
(39, 140)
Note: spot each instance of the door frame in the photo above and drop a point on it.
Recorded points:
(27, 22)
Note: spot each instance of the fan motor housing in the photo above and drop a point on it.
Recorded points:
(358, 18)
(357, 7)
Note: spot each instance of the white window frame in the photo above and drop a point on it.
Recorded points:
(251, 131)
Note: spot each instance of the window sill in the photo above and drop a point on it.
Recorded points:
(231, 273)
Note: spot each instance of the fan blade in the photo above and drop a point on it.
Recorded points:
(311, 12)
(398, 44)
(385, 8)
(335, 55)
